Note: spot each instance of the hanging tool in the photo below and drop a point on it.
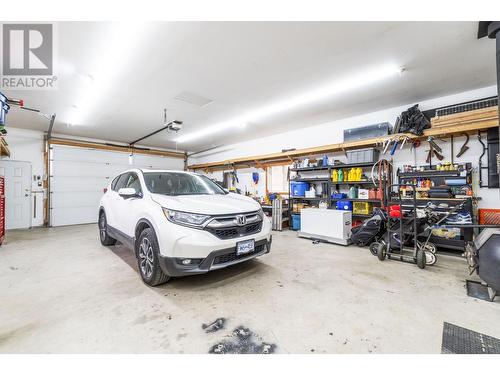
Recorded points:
(415, 144)
(386, 145)
(405, 139)
(435, 146)
(394, 147)
(464, 147)
(435, 153)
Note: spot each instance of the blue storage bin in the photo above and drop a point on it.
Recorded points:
(299, 188)
(339, 195)
(344, 205)
(295, 222)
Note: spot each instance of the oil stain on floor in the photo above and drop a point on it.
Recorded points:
(243, 341)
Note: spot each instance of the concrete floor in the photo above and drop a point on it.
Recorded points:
(62, 292)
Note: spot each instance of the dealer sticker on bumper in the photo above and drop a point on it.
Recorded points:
(245, 247)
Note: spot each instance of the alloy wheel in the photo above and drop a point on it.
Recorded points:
(146, 258)
(102, 227)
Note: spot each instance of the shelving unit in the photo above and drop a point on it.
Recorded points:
(438, 177)
(283, 212)
(331, 185)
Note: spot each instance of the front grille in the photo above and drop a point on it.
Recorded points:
(235, 232)
(231, 257)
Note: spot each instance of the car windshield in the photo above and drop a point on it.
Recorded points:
(173, 183)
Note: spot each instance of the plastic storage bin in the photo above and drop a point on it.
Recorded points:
(339, 195)
(295, 222)
(363, 208)
(344, 205)
(299, 188)
(366, 155)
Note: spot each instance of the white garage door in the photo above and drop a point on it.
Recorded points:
(79, 175)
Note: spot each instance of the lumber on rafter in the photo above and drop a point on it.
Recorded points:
(283, 158)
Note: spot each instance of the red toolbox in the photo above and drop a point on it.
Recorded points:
(2, 209)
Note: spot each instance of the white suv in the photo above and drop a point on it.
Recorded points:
(181, 223)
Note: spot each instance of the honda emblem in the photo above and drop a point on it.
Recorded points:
(241, 220)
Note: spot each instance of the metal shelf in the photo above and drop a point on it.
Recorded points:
(353, 165)
(315, 198)
(307, 169)
(356, 200)
(430, 173)
(312, 179)
(338, 166)
(437, 199)
(362, 215)
(353, 183)
(340, 199)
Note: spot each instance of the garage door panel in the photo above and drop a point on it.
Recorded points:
(70, 199)
(79, 175)
(82, 169)
(69, 216)
(88, 155)
(78, 184)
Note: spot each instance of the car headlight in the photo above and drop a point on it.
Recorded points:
(185, 218)
(260, 213)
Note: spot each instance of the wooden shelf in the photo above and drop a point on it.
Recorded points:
(284, 158)
(4, 148)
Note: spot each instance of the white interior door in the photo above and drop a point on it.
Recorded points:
(17, 193)
(79, 175)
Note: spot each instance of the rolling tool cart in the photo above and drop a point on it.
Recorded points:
(401, 240)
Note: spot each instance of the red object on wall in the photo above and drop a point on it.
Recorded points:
(2, 209)
(489, 216)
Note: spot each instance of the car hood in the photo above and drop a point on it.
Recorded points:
(208, 204)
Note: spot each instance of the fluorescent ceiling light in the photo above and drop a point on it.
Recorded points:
(366, 78)
(119, 46)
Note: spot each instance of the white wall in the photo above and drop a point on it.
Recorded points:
(27, 145)
(332, 132)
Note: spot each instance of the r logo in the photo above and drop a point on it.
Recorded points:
(27, 50)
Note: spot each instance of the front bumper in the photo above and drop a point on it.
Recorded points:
(215, 260)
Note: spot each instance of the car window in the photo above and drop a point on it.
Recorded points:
(113, 184)
(134, 182)
(122, 180)
(176, 183)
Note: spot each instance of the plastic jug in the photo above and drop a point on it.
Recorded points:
(335, 175)
(353, 192)
(341, 175)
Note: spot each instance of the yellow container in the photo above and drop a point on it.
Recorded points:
(362, 208)
(335, 175)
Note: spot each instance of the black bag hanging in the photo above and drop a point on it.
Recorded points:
(413, 121)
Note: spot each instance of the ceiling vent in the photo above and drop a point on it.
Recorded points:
(192, 98)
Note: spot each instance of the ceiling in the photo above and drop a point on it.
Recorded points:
(123, 76)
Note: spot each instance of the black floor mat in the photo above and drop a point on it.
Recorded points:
(459, 340)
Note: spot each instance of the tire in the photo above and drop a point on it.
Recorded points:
(373, 248)
(381, 251)
(106, 239)
(430, 258)
(430, 247)
(421, 259)
(147, 259)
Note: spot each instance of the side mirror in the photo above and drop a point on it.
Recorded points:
(127, 193)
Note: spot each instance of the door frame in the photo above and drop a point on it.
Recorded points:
(30, 196)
